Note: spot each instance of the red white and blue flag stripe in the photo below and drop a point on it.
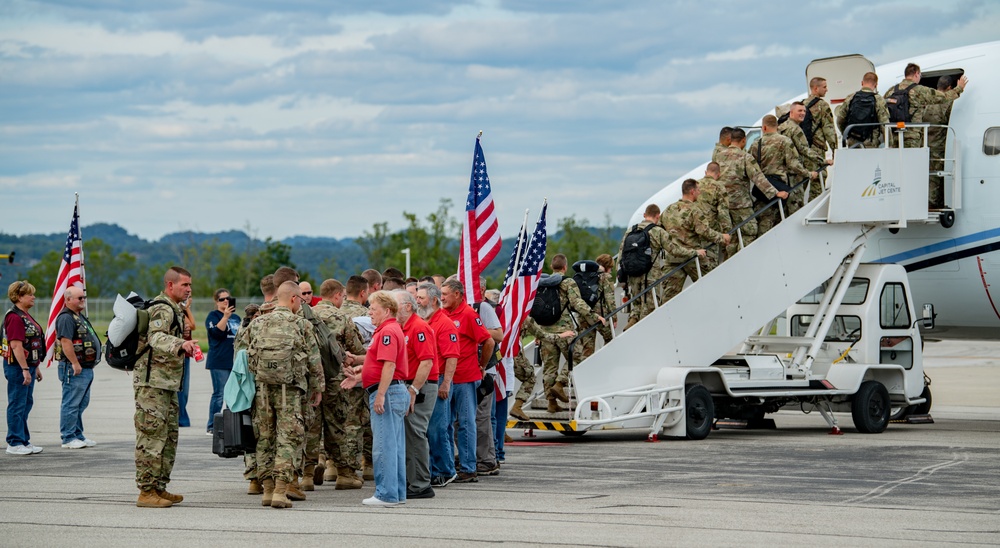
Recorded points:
(480, 231)
(519, 289)
(70, 273)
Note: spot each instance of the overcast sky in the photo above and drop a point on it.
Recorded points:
(322, 117)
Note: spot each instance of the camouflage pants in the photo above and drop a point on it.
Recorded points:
(640, 307)
(589, 341)
(156, 414)
(366, 430)
(552, 372)
(768, 219)
(525, 374)
(748, 230)
(674, 284)
(313, 418)
(342, 425)
(281, 431)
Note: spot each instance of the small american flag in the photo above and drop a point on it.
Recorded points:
(480, 230)
(519, 290)
(70, 273)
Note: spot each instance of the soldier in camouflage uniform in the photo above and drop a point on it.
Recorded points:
(690, 233)
(554, 378)
(739, 171)
(358, 289)
(341, 423)
(869, 83)
(659, 242)
(921, 97)
(285, 361)
(725, 138)
(524, 372)
(937, 137)
(604, 305)
(824, 132)
(779, 162)
(811, 159)
(155, 382)
(715, 200)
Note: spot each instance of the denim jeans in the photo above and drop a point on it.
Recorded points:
(463, 412)
(389, 444)
(219, 378)
(182, 395)
(75, 399)
(442, 446)
(500, 425)
(19, 403)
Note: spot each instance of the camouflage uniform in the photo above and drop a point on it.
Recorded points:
(285, 361)
(313, 418)
(809, 157)
(715, 200)
(875, 139)
(824, 134)
(659, 242)
(242, 342)
(717, 150)
(921, 97)
(739, 170)
(155, 382)
(936, 139)
(341, 422)
(687, 224)
(777, 157)
(523, 371)
(569, 296)
(603, 307)
(354, 309)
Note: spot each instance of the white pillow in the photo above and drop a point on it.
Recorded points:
(124, 321)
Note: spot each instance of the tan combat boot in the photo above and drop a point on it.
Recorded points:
(319, 473)
(554, 406)
(280, 500)
(149, 499)
(347, 479)
(369, 471)
(268, 493)
(307, 478)
(331, 472)
(517, 412)
(557, 391)
(292, 490)
(164, 494)
(255, 488)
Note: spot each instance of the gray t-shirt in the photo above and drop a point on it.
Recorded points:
(86, 343)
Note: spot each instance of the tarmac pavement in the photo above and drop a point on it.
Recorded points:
(930, 484)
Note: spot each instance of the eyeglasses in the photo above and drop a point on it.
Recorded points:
(223, 299)
(307, 292)
(81, 298)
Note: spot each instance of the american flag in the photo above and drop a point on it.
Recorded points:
(519, 290)
(480, 231)
(70, 273)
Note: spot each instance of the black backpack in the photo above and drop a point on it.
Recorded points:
(861, 110)
(124, 356)
(588, 279)
(547, 308)
(637, 251)
(898, 103)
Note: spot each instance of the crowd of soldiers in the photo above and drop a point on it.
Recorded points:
(721, 213)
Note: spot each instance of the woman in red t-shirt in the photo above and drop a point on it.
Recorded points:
(388, 399)
(23, 350)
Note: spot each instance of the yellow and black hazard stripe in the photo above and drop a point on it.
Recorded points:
(544, 425)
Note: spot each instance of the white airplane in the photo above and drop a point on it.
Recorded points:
(954, 268)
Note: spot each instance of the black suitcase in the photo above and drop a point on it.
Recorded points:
(232, 434)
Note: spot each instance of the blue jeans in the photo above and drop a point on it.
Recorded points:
(389, 444)
(499, 419)
(182, 395)
(439, 439)
(75, 399)
(19, 403)
(219, 378)
(463, 412)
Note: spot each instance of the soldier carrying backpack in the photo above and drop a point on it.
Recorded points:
(914, 97)
(864, 106)
(640, 262)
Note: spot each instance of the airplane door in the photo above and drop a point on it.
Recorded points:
(843, 75)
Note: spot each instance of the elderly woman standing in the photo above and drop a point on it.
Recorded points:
(382, 375)
(23, 351)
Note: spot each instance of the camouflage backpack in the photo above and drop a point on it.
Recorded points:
(272, 349)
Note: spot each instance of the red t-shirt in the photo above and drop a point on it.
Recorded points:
(388, 345)
(315, 301)
(471, 334)
(446, 337)
(419, 347)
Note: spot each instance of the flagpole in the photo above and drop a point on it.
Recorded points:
(520, 243)
(83, 262)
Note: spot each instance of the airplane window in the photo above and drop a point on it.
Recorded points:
(991, 141)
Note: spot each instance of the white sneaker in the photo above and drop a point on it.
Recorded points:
(34, 448)
(89, 442)
(74, 444)
(373, 501)
(18, 450)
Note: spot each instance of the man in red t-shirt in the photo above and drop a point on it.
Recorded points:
(468, 374)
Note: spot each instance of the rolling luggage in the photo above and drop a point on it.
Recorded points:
(232, 434)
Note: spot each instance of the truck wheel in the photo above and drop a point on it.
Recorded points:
(699, 412)
(870, 407)
(922, 408)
